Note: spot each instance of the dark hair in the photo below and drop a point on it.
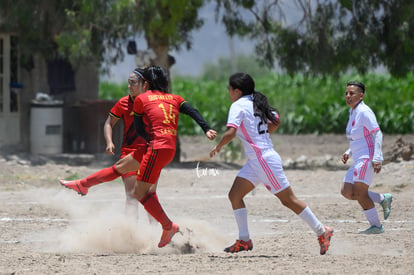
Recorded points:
(360, 85)
(245, 83)
(139, 73)
(157, 77)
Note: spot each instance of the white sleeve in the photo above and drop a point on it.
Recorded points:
(377, 146)
(235, 116)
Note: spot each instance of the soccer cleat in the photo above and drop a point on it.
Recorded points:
(373, 230)
(386, 205)
(167, 235)
(75, 185)
(240, 246)
(325, 240)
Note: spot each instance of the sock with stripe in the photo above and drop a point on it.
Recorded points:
(153, 206)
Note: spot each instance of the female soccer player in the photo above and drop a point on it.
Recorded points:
(156, 117)
(252, 120)
(123, 110)
(365, 147)
(156, 120)
(127, 166)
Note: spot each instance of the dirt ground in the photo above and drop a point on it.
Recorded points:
(47, 229)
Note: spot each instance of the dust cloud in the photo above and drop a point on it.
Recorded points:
(103, 225)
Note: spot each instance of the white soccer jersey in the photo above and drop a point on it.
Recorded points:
(361, 125)
(251, 131)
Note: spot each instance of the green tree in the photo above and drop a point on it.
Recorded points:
(328, 37)
(36, 23)
(97, 30)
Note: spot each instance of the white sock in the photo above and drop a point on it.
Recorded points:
(375, 197)
(372, 217)
(131, 207)
(308, 216)
(241, 220)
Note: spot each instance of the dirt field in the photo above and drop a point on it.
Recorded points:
(47, 229)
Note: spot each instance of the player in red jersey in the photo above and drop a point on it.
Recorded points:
(156, 120)
(154, 79)
(127, 166)
(123, 109)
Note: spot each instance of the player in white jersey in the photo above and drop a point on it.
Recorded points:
(365, 147)
(252, 120)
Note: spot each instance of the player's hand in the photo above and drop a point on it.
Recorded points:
(344, 158)
(110, 149)
(214, 151)
(211, 134)
(377, 166)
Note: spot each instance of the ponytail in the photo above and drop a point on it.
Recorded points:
(262, 108)
(245, 83)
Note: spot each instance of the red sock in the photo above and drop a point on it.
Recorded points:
(153, 206)
(104, 175)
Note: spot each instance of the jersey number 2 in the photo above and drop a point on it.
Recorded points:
(260, 128)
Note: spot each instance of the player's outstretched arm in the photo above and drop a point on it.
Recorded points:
(226, 138)
(187, 109)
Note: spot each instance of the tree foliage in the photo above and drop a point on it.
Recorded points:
(326, 37)
(35, 22)
(97, 30)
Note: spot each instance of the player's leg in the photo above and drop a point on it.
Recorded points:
(240, 188)
(347, 190)
(131, 203)
(324, 233)
(274, 178)
(122, 166)
(363, 175)
(152, 164)
(361, 192)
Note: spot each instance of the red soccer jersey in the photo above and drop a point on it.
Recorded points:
(124, 109)
(160, 113)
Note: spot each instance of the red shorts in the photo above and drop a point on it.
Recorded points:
(152, 163)
(137, 154)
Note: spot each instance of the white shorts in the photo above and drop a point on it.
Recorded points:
(360, 171)
(266, 169)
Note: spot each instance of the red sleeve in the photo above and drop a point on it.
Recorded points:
(138, 106)
(179, 99)
(117, 109)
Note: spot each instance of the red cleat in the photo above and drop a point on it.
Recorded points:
(240, 246)
(75, 185)
(167, 235)
(325, 239)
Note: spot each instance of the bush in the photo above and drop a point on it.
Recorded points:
(306, 105)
